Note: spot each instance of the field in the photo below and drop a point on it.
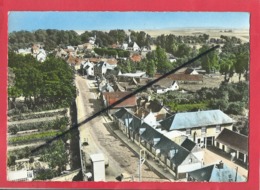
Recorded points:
(243, 34)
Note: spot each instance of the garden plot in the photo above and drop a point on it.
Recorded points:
(27, 131)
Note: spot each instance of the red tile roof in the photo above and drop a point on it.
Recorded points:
(112, 97)
(111, 61)
(74, 60)
(94, 60)
(136, 58)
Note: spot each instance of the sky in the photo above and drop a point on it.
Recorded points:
(32, 21)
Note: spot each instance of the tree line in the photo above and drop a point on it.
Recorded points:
(232, 58)
(51, 38)
(50, 83)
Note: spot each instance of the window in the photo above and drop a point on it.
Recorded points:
(203, 130)
(188, 131)
(218, 128)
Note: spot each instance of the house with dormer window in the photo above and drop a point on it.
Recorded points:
(202, 127)
(178, 159)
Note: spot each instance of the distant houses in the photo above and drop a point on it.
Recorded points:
(165, 85)
(101, 68)
(36, 51)
(88, 68)
(182, 77)
(111, 97)
(130, 46)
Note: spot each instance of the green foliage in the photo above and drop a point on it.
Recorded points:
(118, 36)
(241, 63)
(187, 107)
(232, 98)
(21, 153)
(182, 50)
(236, 108)
(45, 174)
(50, 82)
(173, 44)
(13, 130)
(37, 115)
(11, 160)
(151, 68)
(33, 137)
(141, 38)
(111, 52)
(160, 59)
(221, 104)
(56, 155)
(227, 68)
(53, 38)
(127, 66)
(56, 124)
(210, 61)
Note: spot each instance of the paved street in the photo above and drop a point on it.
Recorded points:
(121, 159)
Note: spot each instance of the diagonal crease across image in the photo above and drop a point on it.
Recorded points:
(76, 126)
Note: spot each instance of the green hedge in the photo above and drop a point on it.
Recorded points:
(33, 137)
(187, 107)
(42, 125)
(36, 115)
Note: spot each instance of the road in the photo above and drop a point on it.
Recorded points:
(96, 132)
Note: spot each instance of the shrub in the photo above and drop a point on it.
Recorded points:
(236, 108)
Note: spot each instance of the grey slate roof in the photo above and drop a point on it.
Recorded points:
(124, 115)
(213, 173)
(166, 145)
(150, 133)
(135, 124)
(233, 140)
(196, 119)
(188, 144)
(154, 106)
(119, 114)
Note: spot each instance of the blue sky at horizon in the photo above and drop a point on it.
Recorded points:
(125, 20)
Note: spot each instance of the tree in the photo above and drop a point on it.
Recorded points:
(162, 63)
(227, 68)
(49, 82)
(11, 160)
(210, 61)
(141, 39)
(241, 64)
(14, 130)
(183, 50)
(151, 70)
(57, 155)
(141, 66)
